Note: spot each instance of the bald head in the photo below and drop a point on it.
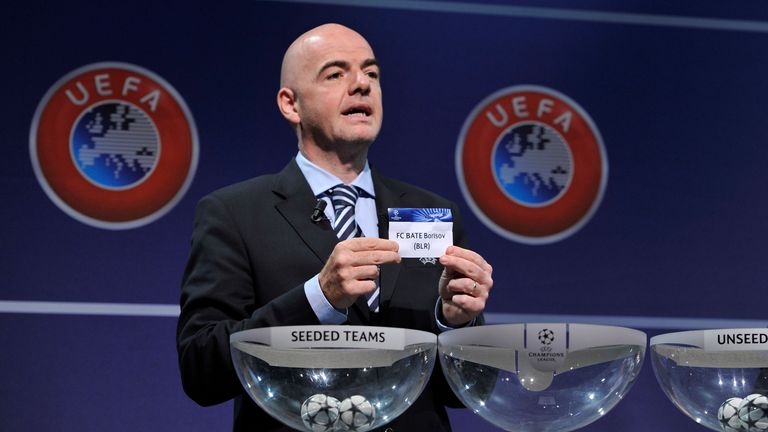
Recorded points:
(306, 47)
(330, 93)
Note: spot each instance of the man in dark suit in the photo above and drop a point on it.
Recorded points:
(258, 259)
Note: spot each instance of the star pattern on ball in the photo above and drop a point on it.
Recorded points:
(356, 413)
(320, 412)
(753, 413)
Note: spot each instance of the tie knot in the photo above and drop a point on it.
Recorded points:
(344, 195)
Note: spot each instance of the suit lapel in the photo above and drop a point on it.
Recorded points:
(296, 207)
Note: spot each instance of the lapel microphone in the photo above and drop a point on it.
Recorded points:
(318, 213)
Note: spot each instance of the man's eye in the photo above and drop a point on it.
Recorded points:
(334, 76)
(373, 74)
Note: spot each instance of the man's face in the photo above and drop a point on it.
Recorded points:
(338, 90)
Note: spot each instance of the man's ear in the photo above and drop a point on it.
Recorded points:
(286, 101)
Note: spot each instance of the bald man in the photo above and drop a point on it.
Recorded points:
(259, 260)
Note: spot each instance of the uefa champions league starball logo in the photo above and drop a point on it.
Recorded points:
(113, 145)
(531, 164)
(546, 336)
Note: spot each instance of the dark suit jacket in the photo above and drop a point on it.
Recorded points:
(253, 247)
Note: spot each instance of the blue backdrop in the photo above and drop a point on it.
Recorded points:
(677, 92)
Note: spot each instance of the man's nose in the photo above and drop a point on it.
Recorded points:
(361, 83)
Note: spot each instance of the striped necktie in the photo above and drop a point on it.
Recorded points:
(344, 198)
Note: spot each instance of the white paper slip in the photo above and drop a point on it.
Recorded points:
(421, 232)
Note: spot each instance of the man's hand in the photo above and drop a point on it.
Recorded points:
(464, 285)
(353, 268)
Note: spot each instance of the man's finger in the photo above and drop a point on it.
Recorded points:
(466, 286)
(364, 273)
(358, 244)
(468, 304)
(456, 265)
(354, 287)
(468, 255)
(372, 258)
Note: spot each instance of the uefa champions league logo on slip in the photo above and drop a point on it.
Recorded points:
(531, 164)
(113, 145)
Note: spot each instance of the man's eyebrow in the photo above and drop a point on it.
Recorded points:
(334, 63)
(345, 64)
(370, 62)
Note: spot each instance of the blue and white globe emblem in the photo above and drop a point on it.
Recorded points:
(532, 164)
(115, 145)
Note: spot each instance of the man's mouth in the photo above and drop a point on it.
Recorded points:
(358, 111)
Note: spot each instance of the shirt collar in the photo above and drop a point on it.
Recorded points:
(321, 180)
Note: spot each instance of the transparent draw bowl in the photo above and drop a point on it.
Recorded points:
(700, 370)
(541, 377)
(333, 378)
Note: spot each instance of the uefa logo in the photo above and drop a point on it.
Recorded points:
(113, 145)
(531, 164)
